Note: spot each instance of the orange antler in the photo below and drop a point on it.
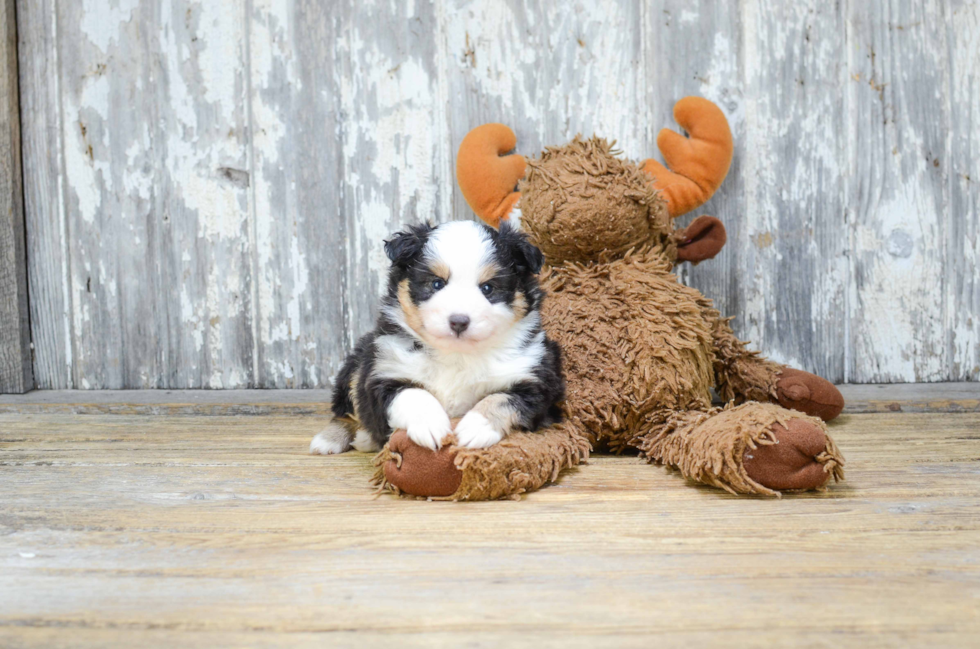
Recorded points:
(697, 164)
(485, 175)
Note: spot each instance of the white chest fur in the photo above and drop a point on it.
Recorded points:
(459, 381)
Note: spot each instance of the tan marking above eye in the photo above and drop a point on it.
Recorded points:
(440, 269)
(488, 272)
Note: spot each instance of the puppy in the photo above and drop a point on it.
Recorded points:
(459, 335)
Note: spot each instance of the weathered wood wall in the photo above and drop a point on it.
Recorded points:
(208, 182)
(16, 373)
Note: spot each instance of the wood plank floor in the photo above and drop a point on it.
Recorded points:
(219, 531)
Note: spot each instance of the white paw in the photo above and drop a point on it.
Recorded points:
(429, 431)
(331, 440)
(364, 443)
(422, 417)
(474, 431)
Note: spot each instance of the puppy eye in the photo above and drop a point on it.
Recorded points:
(486, 289)
(438, 284)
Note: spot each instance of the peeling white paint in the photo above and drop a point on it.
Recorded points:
(101, 20)
(86, 168)
(844, 211)
(219, 47)
(962, 319)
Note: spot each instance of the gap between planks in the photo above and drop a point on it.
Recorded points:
(908, 397)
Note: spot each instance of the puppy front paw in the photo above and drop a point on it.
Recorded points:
(422, 417)
(429, 431)
(475, 431)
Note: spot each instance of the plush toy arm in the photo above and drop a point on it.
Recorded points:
(744, 375)
(697, 165)
(740, 374)
(486, 175)
(755, 448)
(521, 463)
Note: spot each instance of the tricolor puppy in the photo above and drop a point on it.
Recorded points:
(459, 335)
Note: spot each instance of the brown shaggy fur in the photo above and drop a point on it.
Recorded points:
(641, 350)
(562, 190)
(708, 445)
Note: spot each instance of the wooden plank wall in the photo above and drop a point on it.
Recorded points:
(208, 183)
(16, 371)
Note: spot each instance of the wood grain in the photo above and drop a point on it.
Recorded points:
(226, 230)
(148, 124)
(221, 531)
(299, 303)
(48, 237)
(963, 233)
(793, 263)
(16, 369)
(897, 190)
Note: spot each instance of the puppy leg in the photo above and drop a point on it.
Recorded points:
(364, 442)
(492, 419)
(335, 438)
(421, 415)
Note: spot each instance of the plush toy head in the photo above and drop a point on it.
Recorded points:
(581, 202)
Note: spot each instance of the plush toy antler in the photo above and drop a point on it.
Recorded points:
(697, 164)
(487, 177)
(488, 171)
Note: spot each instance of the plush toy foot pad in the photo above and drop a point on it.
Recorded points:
(797, 461)
(808, 393)
(418, 471)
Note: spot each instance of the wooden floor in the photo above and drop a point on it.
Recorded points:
(194, 530)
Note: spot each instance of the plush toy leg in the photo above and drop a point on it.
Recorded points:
(744, 375)
(522, 462)
(754, 448)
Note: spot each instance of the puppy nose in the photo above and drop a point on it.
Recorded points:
(459, 323)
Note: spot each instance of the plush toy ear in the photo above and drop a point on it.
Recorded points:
(405, 247)
(702, 239)
(525, 253)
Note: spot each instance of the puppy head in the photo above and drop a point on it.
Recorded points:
(462, 286)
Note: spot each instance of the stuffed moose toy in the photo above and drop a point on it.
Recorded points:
(641, 351)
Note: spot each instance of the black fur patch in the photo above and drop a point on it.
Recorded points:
(516, 250)
(374, 393)
(520, 262)
(537, 402)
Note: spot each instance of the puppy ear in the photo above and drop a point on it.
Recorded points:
(404, 247)
(525, 253)
(533, 258)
